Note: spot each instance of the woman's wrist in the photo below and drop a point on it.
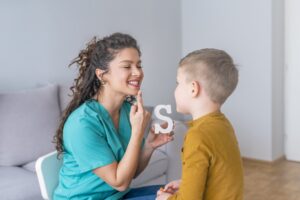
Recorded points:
(136, 135)
(148, 147)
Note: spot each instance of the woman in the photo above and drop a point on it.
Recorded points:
(101, 133)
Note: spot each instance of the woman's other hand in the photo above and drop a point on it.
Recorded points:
(156, 140)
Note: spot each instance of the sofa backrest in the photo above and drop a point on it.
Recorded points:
(28, 121)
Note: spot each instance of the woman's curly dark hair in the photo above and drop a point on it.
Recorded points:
(97, 54)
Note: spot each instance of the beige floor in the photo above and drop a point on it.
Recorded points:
(276, 181)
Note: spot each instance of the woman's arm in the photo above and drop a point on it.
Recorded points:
(119, 175)
(144, 159)
(152, 142)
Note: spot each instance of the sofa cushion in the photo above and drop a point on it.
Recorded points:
(28, 121)
(30, 166)
(161, 180)
(17, 183)
(157, 167)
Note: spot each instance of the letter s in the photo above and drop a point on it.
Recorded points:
(157, 127)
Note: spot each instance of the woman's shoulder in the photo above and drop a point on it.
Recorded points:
(87, 108)
(87, 113)
(83, 122)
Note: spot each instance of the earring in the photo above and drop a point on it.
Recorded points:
(102, 82)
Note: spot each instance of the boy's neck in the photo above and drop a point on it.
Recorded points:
(202, 110)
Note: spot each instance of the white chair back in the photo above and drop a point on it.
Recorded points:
(47, 170)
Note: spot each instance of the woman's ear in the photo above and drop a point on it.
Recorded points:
(195, 88)
(99, 73)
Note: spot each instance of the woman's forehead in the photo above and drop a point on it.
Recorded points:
(127, 55)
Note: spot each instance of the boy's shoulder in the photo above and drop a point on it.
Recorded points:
(208, 128)
(195, 135)
(208, 121)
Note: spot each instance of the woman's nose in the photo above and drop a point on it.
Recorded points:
(136, 71)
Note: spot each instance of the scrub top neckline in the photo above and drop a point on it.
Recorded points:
(104, 111)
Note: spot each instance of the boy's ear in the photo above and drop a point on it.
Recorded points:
(195, 88)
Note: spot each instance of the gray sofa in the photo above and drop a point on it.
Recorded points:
(28, 121)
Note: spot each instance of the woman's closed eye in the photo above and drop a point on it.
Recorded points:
(128, 66)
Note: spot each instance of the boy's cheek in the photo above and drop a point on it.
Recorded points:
(181, 107)
(178, 107)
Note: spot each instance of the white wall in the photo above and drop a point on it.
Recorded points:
(277, 79)
(39, 39)
(245, 30)
(292, 95)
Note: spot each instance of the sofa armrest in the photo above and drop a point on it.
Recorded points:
(173, 150)
(155, 172)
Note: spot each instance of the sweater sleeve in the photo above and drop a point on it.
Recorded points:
(195, 165)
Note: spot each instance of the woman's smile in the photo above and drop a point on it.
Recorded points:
(134, 84)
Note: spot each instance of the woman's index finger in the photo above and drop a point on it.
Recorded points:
(139, 100)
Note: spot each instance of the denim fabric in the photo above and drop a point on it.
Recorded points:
(142, 193)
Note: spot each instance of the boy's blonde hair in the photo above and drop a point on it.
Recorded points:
(214, 69)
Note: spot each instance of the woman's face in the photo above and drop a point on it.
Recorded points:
(125, 74)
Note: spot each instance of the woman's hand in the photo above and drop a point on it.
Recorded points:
(156, 140)
(139, 117)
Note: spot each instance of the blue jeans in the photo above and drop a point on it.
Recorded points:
(142, 193)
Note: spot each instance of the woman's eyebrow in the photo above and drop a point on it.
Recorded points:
(130, 61)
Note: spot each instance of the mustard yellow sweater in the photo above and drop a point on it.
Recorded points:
(211, 161)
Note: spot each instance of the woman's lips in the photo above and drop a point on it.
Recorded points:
(135, 84)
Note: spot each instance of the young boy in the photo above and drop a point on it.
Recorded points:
(211, 161)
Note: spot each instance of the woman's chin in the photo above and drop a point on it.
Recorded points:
(133, 91)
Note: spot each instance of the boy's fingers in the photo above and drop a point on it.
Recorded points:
(167, 187)
(170, 191)
(159, 192)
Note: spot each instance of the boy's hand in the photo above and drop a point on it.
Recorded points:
(162, 195)
(172, 187)
(156, 140)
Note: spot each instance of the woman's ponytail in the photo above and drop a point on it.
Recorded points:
(83, 88)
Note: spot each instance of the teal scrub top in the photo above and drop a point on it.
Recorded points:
(90, 141)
